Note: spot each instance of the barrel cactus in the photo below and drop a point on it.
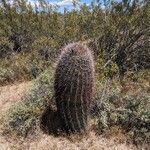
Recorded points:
(74, 86)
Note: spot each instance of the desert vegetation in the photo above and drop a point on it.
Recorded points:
(115, 34)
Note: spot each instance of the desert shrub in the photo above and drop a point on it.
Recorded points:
(105, 69)
(45, 48)
(22, 67)
(24, 116)
(16, 69)
(119, 34)
(128, 110)
(6, 47)
(6, 75)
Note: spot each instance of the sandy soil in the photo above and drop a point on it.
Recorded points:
(12, 94)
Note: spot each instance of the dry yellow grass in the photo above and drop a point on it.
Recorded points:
(49, 142)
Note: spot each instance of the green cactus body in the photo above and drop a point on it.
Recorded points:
(74, 86)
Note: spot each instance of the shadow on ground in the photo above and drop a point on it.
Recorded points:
(50, 122)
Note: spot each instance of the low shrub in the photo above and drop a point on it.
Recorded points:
(130, 111)
(6, 75)
(25, 115)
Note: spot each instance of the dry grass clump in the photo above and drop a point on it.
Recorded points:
(48, 142)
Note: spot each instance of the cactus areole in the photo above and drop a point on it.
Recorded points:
(74, 86)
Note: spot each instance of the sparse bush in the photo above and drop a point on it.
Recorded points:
(24, 116)
(22, 67)
(45, 49)
(6, 47)
(6, 75)
(105, 69)
(129, 111)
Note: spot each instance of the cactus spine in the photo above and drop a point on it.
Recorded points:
(74, 86)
